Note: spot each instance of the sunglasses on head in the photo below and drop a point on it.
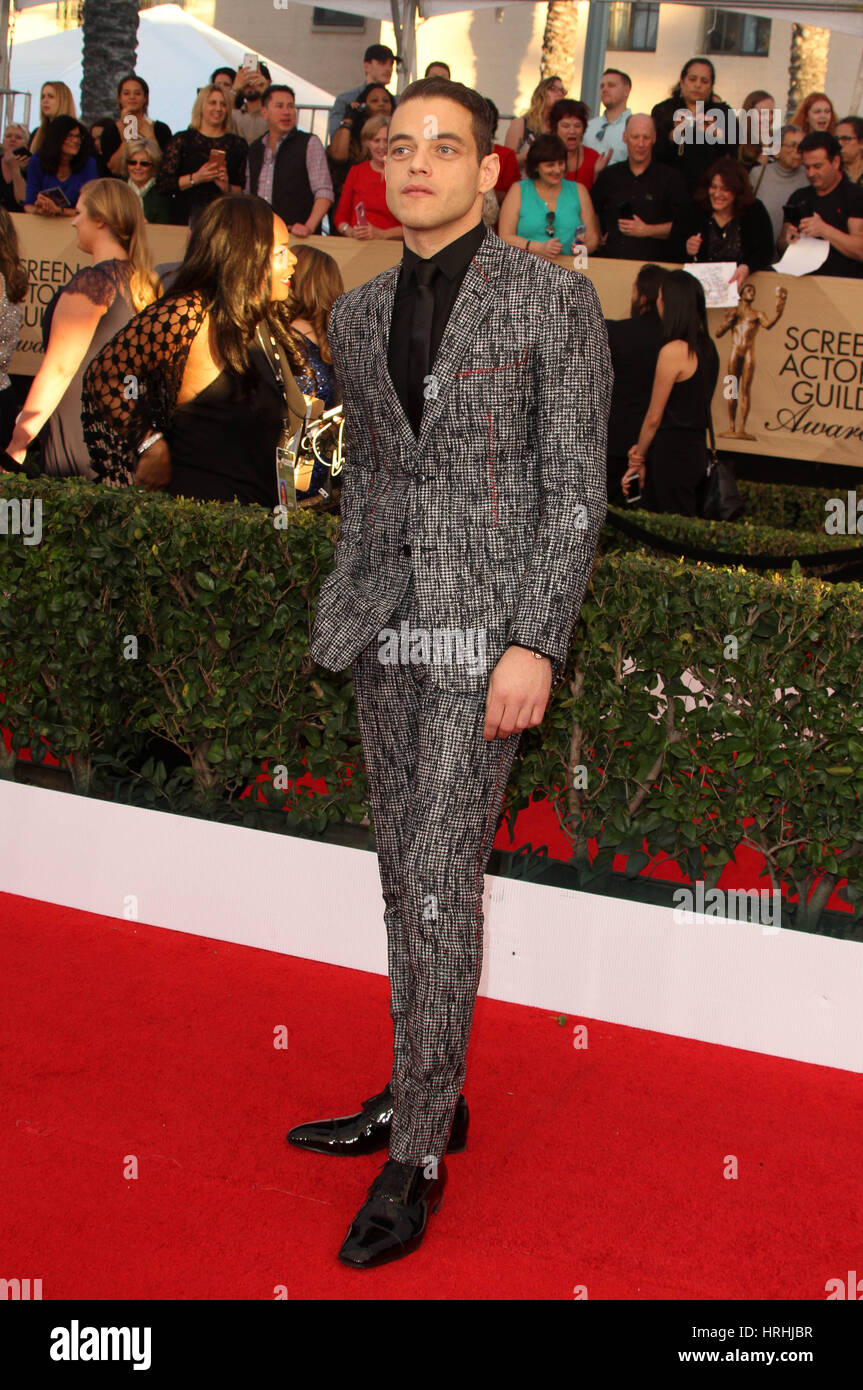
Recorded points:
(549, 224)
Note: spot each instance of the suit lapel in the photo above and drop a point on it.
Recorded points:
(476, 297)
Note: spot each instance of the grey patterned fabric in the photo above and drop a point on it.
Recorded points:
(482, 530)
(435, 786)
(497, 506)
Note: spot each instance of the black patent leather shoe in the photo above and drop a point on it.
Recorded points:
(369, 1131)
(392, 1221)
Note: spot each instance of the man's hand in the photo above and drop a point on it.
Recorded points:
(299, 229)
(634, 226)
(518, 693)
(816, 226)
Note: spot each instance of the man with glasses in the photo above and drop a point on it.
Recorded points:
(605, 132)
(775, 181)
(849, 133)
(288, 167)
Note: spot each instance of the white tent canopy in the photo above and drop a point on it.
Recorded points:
(176, 54)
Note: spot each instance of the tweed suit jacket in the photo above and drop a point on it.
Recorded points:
(498, 504)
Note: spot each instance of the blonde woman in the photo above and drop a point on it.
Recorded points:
(95, 304)
(362, 210)
(205, 161)
(523, 130)
(55, 99)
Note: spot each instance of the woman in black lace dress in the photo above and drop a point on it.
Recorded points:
(81, 318)
(216, 388)
(192, 172)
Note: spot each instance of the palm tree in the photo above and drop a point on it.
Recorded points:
(558, 41)
(110, 46)
(808, 66)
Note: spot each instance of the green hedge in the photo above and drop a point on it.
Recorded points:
(790, 507)
(728, 537)
(220, 603)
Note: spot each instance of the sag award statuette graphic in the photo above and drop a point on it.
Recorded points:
(743, 322)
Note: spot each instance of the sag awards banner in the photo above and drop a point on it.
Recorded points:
(791, 352)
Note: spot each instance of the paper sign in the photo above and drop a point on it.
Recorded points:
(715, 277)
(804, 255)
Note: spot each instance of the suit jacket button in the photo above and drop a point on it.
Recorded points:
(406, 550)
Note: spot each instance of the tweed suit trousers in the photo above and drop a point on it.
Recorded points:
(436, 788)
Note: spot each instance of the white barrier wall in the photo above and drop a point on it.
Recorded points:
(785, 993)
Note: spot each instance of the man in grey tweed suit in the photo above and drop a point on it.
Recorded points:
(476, 380)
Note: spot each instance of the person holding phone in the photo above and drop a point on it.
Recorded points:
(641, 205)
(13, 162)
(58, 171)
(252, 80)
(669, 458)
(205, 161)
(543, 211)
(362, 210)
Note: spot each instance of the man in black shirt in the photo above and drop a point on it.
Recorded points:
(831, 208)
(640, 203)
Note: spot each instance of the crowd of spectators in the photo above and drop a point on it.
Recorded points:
(685, 182)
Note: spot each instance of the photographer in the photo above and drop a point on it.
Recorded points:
(13, 188)
(249, 118)
(346, 147)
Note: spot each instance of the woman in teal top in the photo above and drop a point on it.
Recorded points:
(542, 212)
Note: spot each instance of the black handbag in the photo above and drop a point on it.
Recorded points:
(718, 497)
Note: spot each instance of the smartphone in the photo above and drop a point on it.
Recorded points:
(57, 196)
(792, 215)
(626, 210)
(21, 152)
(250, 62)
(634, 494)
(219, 157)
(360, 210)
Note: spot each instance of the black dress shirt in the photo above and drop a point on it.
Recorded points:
(453, 261)
(657, 194)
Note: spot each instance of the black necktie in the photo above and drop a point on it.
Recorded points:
(419, 350)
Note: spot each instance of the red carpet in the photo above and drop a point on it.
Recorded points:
(601, 1167)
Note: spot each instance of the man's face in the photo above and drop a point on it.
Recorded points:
(639, 138)
(378, 70)
(432, 174)
(438, 70)
(613, 91)
(789, 151)
(851, 146)
(281, 112)
(821, 171)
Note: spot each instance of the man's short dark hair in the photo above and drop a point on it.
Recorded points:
(821, 140)
(277, 87)
(438, 63)
(856, 124)
(545, 149)
(430, 87)
(378, 53)
(230, 72)
(615, 72)
(495, 116)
